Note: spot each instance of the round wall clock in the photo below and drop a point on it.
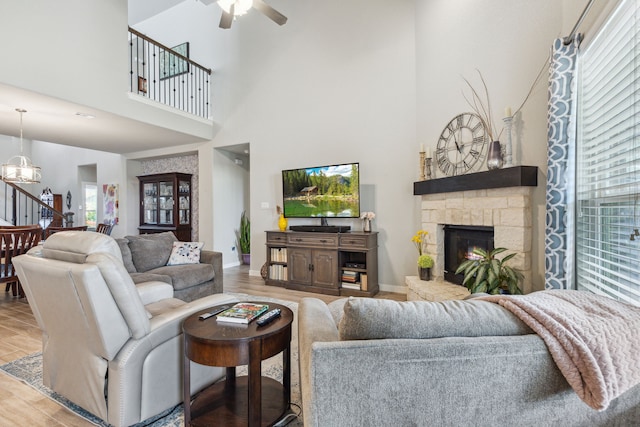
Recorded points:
(462, 145)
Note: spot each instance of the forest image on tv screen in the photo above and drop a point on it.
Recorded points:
(327, 191)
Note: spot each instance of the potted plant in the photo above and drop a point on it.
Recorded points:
(425, 263)
(490, 274)
(244, 238)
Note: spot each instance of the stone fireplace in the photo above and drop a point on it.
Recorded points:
(499, 200)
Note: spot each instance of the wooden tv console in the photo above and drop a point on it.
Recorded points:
(328, 263)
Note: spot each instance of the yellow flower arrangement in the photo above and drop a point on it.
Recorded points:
(420, 240)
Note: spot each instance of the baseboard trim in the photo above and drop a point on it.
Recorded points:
(231, 264)
(393, 288)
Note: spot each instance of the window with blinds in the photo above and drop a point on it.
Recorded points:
(608, 159)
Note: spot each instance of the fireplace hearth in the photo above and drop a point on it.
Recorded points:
(459, 243)
(498, 199)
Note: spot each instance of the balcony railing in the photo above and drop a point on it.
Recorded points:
(167, 75)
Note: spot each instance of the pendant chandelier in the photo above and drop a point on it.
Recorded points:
(19, 169)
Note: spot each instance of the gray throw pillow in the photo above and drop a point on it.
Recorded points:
(368, 318)
(149, 251)
(126, 255)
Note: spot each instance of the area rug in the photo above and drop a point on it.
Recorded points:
(29, 371)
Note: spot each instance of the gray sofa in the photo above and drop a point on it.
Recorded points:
(455, 363)
(145, 258)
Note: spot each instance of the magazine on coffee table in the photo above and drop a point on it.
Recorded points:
(243, 312)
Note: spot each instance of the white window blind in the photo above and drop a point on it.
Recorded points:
(608, 159)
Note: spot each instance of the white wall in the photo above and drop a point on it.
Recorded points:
(60, 173)
(231, 197)
(78, 51)
(335, 84)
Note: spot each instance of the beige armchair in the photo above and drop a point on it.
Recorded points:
(111, 347)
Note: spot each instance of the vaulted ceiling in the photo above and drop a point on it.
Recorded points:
(54, 120)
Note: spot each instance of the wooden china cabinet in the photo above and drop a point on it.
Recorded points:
(165, 204)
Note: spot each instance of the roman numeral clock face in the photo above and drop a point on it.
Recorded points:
(462, 146)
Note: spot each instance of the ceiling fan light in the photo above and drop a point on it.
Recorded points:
(240, 7)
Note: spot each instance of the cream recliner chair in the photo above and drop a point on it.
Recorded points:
(108, 346)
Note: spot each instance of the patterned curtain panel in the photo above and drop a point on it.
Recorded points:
(561, 166)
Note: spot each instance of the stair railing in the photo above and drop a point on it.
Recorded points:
(23, 208)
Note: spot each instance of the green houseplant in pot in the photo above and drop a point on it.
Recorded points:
(243, 234)
(490, 274)
(425, 263)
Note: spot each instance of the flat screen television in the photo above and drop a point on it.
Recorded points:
(331, 191)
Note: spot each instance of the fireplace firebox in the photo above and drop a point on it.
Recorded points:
(459, 242)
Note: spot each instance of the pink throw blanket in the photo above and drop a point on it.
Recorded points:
(594, 340)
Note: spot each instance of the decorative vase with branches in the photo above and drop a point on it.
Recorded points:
(481, 105)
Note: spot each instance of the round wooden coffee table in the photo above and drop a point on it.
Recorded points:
(251, 400)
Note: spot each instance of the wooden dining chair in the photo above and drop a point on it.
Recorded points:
(104, 229)
(50, 230)
(15, 241)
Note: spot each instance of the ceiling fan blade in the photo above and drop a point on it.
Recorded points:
(226, 19)
(270, 12)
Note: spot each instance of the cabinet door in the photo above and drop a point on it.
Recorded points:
(150, 203)
(299, 265)
(184, 203)
(325, 268)
(166, 202)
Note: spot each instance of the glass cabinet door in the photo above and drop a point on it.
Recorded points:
(184, 205)
(150, 203)
(166, 202)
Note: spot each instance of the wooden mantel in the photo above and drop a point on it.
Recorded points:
(516, 176)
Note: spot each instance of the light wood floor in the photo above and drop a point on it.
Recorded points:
(20, 405)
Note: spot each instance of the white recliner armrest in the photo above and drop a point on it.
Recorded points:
(154, 291)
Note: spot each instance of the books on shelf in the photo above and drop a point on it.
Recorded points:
(242, 312)
(278, 272)
(350, 276)
(278, 254)
(354, 280)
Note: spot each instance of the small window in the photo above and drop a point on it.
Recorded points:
(90, 204)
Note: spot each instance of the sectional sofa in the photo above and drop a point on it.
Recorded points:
(366, 362)
(145, 258)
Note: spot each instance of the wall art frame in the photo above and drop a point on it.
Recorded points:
(172, 65)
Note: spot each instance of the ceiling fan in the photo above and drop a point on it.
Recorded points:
(233, 8)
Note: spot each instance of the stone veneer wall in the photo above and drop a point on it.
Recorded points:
(508, 210)
(182, 164)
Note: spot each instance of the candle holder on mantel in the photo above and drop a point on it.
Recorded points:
(508, 152)
(422, 166)
(427, 167)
